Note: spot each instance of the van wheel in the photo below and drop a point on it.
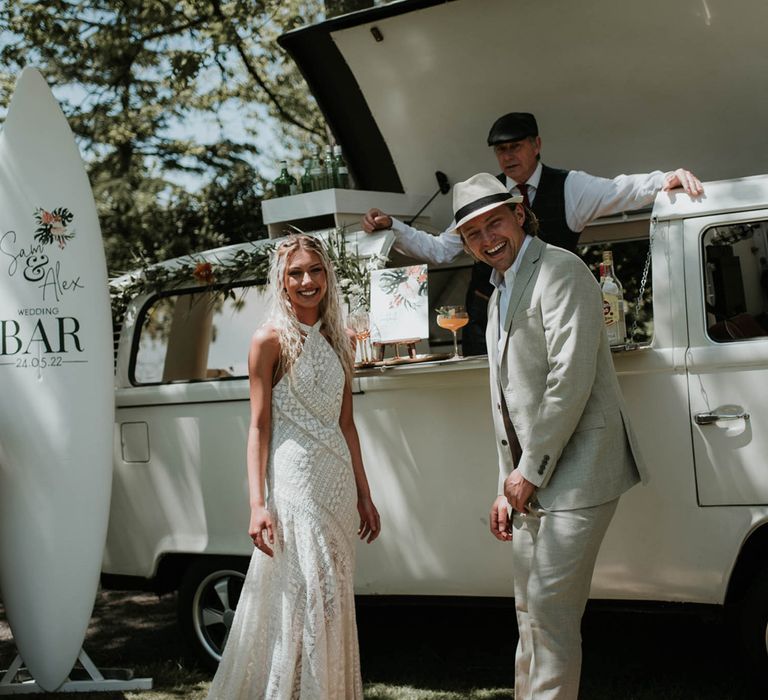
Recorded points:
(753, 626)
(208, 596)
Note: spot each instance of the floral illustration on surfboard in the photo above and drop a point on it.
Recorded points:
(52, 226)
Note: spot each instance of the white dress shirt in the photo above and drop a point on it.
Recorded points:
(505, 282)
(586, 198)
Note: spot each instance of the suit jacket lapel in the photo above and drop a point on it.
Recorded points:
(492, 335)
(525, 272)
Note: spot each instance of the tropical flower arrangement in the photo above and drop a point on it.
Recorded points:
(244, 264)
(405, 285)
(52, 226)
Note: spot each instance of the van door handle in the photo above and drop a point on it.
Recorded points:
(722, 413)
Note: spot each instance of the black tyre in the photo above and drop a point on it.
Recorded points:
(208, 596)
(752, 617)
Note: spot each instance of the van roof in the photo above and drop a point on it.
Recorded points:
(412, 87)
(741, 194)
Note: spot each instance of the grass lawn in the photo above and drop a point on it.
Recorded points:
(441, 653)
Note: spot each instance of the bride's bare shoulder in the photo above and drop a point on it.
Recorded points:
(265, 340)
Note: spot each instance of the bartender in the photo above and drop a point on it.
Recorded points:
(564, 201)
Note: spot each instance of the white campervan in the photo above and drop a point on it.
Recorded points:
(415, 96)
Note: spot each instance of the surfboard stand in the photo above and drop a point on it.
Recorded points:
(84, 678)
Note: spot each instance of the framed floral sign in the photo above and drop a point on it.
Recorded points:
(399, 310)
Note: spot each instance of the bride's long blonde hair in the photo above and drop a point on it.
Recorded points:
(283, 317)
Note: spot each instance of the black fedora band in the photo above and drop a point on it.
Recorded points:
(467, 209)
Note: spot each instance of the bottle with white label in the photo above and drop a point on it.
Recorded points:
(613, 302)
(340, 171)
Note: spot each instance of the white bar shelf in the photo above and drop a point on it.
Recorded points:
(333, 208)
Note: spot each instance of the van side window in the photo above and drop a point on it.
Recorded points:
(197, 336)
(629, 258)
(736, 281)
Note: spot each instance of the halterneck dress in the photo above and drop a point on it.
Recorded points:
(294, 633)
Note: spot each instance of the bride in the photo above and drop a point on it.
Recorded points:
(294, 633)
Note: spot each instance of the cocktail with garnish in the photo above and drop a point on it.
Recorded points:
(452, 318)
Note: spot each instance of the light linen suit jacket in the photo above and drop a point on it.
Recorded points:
(558, 410)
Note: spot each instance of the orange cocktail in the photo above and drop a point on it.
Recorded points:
(452, 323)
(453, 318)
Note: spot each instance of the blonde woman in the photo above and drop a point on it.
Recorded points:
(294, 633)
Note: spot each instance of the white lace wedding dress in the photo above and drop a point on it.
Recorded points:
(294, 633)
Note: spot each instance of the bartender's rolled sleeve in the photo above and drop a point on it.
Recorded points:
(435, 250)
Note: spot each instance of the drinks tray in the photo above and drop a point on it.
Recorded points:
(393, 361)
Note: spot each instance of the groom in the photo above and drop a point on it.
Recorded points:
(566, 451)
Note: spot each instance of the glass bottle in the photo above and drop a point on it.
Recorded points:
(613, 302)
(328, 168)
(306, 177)
(317, 175)
(284, 181)
(340, 171)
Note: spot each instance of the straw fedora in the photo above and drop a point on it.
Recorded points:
(479, 194)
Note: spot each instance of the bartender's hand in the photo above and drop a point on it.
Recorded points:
(518, 491)
(500, 521)
(683, 178)
(376, 220)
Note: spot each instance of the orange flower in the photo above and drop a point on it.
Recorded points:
(204, 272)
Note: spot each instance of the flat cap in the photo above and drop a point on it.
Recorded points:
(513, 127)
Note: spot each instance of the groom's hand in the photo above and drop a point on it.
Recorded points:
(500, 521)
(518, 491)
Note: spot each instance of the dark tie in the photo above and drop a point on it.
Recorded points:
(523, 189)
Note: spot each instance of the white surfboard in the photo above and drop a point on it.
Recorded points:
(56, 377)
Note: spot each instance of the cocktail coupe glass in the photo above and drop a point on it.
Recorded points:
(360, 323)
(453, 318)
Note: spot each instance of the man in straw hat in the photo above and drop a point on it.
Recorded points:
(563, 201)
(566, 450)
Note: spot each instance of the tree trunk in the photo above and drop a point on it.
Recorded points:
(341, 7)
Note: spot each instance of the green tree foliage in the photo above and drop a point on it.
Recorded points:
(147, 86)
(340, 7)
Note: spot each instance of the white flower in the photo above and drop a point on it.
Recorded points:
(344, 283)
(356, 290)
(375, 262)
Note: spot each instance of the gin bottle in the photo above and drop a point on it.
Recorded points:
(328, 168)
(340, 171)
(613, 302)
(306, 177)
(317, 175)
(284, 181)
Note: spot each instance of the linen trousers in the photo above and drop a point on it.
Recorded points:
(553, 555)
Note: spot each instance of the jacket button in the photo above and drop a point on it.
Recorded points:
(504, 442)
(498, 406)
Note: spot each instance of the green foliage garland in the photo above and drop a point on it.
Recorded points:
(217, 273)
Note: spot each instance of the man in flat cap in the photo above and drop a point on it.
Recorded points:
(565, 447)
(563, 201)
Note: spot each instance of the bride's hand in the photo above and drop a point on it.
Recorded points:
(261, 520)
(370, 523)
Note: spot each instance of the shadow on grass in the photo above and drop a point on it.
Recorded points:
(137, 632)
(447, 653)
